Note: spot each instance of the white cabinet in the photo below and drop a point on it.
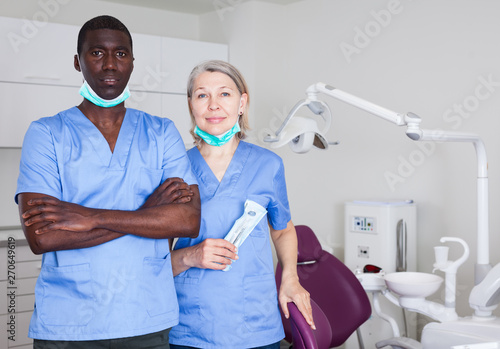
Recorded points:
(166, 105)
(37, 77)
(42, 55)
(147, 74)
(179, 57)
(149, 102)
(19, 270)
(22, 103)
(175, 108)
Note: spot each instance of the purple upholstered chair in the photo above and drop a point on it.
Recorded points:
(332, 286)
(303, 336)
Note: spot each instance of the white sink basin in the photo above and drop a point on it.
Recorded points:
(413, 284)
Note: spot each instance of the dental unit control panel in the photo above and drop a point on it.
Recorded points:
(363, 224)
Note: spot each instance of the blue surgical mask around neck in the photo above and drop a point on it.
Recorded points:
(89, 94)
(220, 139)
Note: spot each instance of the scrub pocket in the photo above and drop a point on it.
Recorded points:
(260, 303)
(262, 229)
(159, 291)
(66, 295)
(149, 180)
(188, 295)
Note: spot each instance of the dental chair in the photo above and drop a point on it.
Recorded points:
(303, 336)
(333, 287)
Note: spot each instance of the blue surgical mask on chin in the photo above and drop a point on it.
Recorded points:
(218, 140)
(89, 94)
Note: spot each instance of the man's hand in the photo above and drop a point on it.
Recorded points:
(173, 190)
(59, 215)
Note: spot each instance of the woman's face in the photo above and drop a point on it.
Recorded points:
(216, 102)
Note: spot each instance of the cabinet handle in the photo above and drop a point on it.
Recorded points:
(40, 77)
(401, 246)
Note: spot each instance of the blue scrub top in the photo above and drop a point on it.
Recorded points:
(124, 287)
(237, 308)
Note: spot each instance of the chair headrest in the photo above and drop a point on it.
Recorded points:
(309, 248)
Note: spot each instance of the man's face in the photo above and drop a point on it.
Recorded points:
(106, 61)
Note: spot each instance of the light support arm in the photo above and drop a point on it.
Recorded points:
(450, 136)
(482, 266)
(386, 114)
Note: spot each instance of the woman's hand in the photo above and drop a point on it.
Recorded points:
(285, 242)
(215, 254)
(292, 291)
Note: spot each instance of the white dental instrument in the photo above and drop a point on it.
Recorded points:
(244, 225)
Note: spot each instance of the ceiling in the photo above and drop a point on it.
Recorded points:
(196, 7)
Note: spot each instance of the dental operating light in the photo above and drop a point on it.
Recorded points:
(303, 133)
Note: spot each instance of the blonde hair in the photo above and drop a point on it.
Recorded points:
(235, 75)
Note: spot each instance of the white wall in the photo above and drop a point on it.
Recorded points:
(427, 57)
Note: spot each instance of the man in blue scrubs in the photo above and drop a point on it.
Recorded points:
(95, 192)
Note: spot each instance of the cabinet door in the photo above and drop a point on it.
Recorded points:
(148, 102)
(4, 341)
(22, 328)
(147, 74)
(24, 103)
(3, 270)
(4, 298)
(174, 107)
(38, 52)
(180, 56)
(15, 330)
(20, 302)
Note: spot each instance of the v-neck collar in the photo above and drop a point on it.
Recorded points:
(226, 186)
(117, 158)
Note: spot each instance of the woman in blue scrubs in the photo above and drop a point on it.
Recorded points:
(237, 308)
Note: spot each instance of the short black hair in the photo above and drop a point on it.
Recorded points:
(101, 22)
